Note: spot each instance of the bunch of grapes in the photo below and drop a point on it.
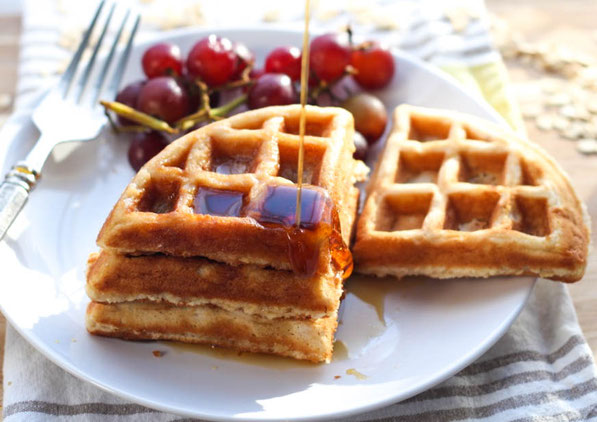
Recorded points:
(180, 95)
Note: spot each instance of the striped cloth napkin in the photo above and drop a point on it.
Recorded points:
(541, 370)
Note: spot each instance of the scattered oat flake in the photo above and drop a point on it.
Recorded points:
(587, 146)
(327, 14)
(568, 81)
(530, 111)
(560, 123)
(158, 353)
(558, 100)
(364, 18)
(590, 130)
(581, 112)
(170, 18)
(592, 105)
(544, 122)
(5, 101)
(337, 377)
(70, 38)
(271, 15)
(459, 17)
(385, 22)
(550, 85)
(74, 340)
(9, 383)
(575, 131)
(568, 111)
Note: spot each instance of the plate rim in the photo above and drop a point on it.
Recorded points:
(24, 112)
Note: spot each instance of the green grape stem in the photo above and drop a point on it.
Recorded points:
(137, 116)
(149, 122)
(207, 113)
(222, 111)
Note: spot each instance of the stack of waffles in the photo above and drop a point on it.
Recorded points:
(456, 196)
(202, 246)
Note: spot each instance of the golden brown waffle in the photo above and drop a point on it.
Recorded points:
(230, 167)
(456, 196)
(269, 293)
(308, 339)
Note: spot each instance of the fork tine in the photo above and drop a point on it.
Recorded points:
(83, 81)
(67, 76)
(119, 71)
(99, 83)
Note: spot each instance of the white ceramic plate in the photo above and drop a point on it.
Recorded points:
(403, 336)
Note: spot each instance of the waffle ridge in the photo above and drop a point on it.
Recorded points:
(457, 196)
(239, 158)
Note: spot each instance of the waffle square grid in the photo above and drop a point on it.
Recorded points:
(230, 164)
(451, 198)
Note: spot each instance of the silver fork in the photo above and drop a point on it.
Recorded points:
(68, 112)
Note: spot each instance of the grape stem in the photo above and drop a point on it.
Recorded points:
(121, 128)
(210, 113)
(326, 87)
(130, 129)
(349, 33)
(222, 111)
(149, 122)
(137, 116)
(364, 46)
(206, 112)
(236, 84)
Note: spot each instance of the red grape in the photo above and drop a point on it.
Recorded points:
(164, 98)
(360, 144)
(329, 56)
(144, 147)
(256, 73)
(285, 60)
(370, 116)
(244, 58)
(162, 59)
(213, 60)
(374, 66)
(129, 96)
(272, 89)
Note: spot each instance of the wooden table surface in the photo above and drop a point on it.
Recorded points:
(571, 22)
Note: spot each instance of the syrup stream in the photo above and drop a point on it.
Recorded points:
(303, 116)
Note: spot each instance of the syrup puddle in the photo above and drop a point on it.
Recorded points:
(363, 325)
(340, 351)
(373, 291)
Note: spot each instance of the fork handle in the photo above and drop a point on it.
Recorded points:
(14, 192)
